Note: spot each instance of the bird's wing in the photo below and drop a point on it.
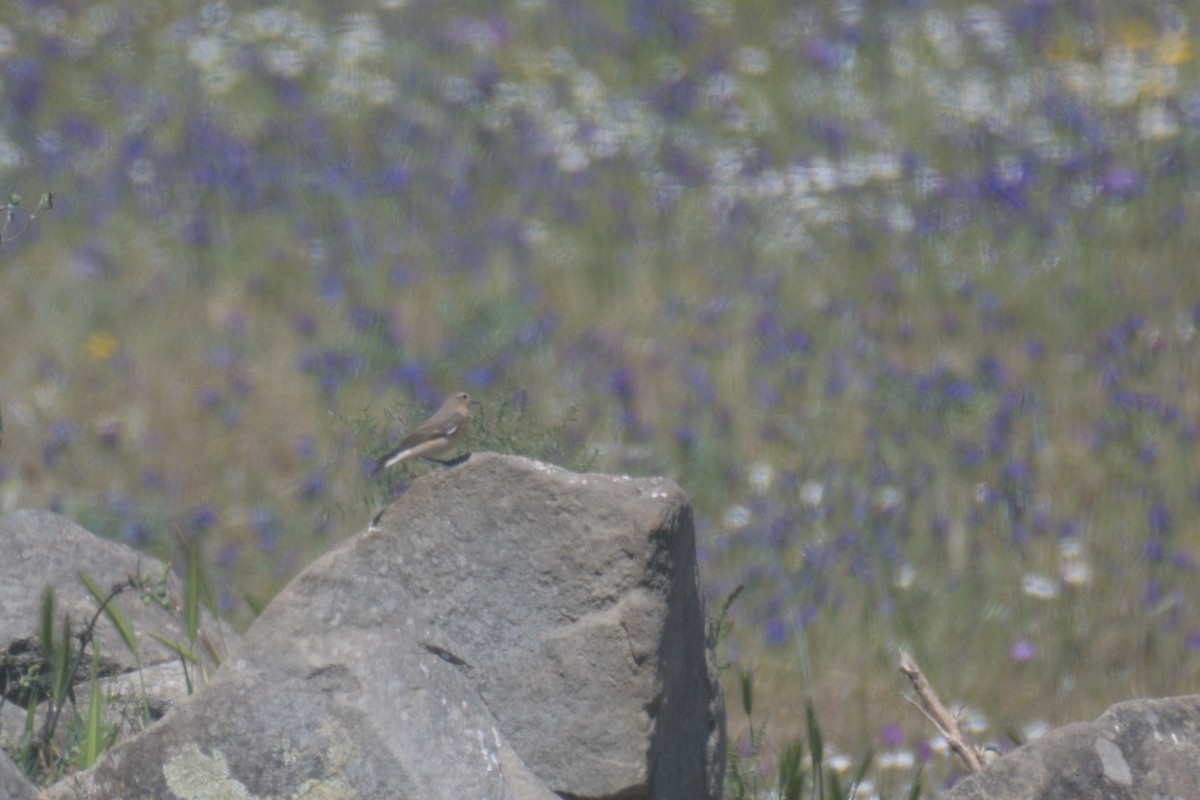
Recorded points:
(437, 427)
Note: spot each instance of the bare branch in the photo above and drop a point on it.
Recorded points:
(942, 719)
(10, 212)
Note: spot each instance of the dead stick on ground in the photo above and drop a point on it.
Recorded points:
(942, 719)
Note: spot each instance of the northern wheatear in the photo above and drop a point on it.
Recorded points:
(437, 435)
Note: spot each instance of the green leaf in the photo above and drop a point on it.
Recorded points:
(46, 630)
(62, 663)
(191, 592)
(863, 766)
(747, 681)
(93, 729)
(791, 771)
(814, 736)
(915, 792)
(816, 749)
(176, 648)
(835, 787)
(185, 657)
(112, 612)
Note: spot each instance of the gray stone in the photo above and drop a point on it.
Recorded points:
(324, 699)
(12, 725)
(1136, 750)
(572, 603)
(43, 549)
(132, 700)
(508, 629)
(13, 785)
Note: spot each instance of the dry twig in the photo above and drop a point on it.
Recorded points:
(942, 719)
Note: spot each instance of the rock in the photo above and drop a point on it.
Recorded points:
(1136, 750)
(131, 701)
(43, 549)
(324, 699)
(571, 602)
(509, 630)
(13, 785)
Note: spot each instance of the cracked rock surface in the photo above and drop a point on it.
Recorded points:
(507, 629)
(1136, 750)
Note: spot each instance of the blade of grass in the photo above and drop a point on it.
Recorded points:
(62, 664)
(46, 629)
(176, 648)
(112, 612)
(863, 766)
(816, 749)
(747, 686)
(915, 792)
(185, 657)
(191, 593)
(92, 730)
(791, 771)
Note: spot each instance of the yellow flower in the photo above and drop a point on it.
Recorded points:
(1060, 48)
(101, 345)
(1135, 35)
(1173, 49)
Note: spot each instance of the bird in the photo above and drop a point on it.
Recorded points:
(436, 435)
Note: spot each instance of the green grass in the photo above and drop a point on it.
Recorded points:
(982, 357)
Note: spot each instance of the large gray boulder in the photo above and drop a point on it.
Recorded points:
(326, 698)
(1136, 750)
(508, 629)
(40, 549)
(572, 603)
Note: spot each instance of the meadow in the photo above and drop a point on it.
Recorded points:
(903, 295)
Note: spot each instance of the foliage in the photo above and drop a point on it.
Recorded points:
(10, 215)
(902, 295)
(44, 682)
(796, 775)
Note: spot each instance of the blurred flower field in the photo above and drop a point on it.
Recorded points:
(904, 295)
